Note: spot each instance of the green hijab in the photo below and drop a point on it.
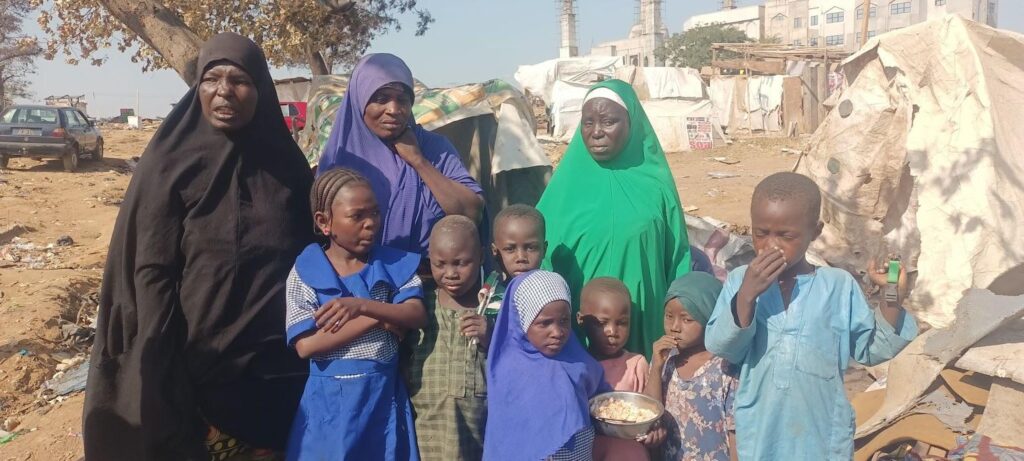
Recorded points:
(698, 293)
(621, 219)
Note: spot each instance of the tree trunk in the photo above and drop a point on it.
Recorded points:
(317, 64)
(3, 87)
(163, 30)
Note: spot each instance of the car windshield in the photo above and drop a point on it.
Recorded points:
(29, 115)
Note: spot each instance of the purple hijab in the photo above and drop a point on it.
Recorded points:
(408, 207)
(535, 404)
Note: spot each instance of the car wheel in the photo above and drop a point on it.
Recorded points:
(97, 155)
(71, 159)
(3, 161)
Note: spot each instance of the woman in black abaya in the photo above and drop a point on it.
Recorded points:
(190, 341)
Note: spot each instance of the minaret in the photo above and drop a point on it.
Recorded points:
(569, 47)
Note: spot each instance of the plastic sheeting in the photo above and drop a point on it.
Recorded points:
(748, 103)
(681, 124)
(664, 82)
(675, 99)
(922, 157)
(540, 79)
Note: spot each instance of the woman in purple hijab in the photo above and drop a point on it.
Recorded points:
(416, 175)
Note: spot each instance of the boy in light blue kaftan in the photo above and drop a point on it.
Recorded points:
(792, 328)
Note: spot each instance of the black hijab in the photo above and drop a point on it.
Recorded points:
(191, 322)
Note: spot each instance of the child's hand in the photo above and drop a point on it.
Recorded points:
(762, 272)
(393, 329)
(475, 326)
(655, 437)
(335, 313)
(880, 276)
(662, 347)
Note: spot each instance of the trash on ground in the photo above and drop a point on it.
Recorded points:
(67, 382)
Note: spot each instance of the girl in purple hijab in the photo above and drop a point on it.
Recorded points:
(539, 377)
(416, 175)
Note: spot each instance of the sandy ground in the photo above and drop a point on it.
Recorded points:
(48, 288)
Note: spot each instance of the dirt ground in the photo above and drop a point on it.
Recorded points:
(50, 288)
(48, 291)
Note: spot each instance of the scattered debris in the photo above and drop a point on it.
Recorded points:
(691, 209)
(10, 424)
(23, 253)
(12, 231)
(722, 175)
(7, 437)
(725, 160)
(70, 381)
(65, 241)
(786, 150)
(979, 313)
(73, 334)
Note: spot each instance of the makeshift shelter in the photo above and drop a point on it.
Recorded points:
(751, 103)
(540, 79)
(781, 88)
(491, 125)
(921, 157)
(295, 89)
(675, 99)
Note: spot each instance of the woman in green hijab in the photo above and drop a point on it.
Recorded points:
(612, 209)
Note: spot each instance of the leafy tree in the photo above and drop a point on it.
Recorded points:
(168, 33)
(693, 47)
(16, 51)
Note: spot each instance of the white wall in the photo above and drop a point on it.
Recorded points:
(746, 19)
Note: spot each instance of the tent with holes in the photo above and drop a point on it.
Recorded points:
(491, 125)
(923, 156)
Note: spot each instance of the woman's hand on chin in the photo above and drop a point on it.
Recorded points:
(406, 146)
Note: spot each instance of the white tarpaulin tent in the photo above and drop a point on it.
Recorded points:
(663, 82)
(675, 99)
(540, 79)
(923, 155)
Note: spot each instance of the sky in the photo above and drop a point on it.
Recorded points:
(471, 41)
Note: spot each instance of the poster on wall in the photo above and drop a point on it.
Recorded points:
(835, 82)
(698, 133)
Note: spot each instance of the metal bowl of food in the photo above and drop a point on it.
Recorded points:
(624, 415)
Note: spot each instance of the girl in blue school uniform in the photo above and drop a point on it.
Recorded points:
(347, 304)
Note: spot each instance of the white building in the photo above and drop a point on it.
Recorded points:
(840, 22)
(748, 19)
(646, 36)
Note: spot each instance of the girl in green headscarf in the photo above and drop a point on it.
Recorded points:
(612, 209)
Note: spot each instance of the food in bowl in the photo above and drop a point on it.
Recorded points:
(620, 410)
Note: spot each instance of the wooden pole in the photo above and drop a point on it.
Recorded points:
(864, 25)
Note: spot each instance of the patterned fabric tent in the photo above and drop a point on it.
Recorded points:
(491, 124)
